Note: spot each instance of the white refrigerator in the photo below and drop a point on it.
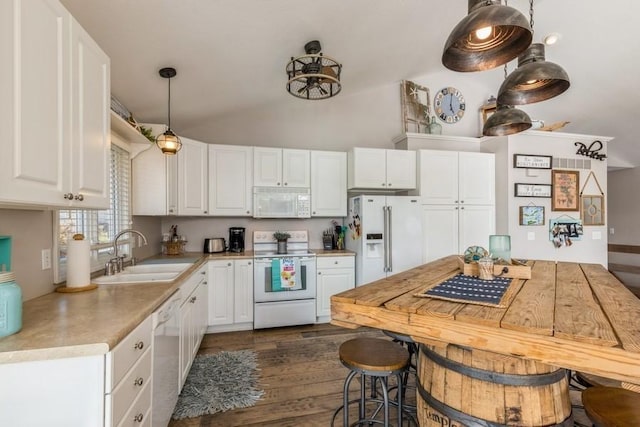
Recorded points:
(385, 232)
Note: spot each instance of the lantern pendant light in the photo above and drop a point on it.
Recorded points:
(168, 142)
(535, 79)
(491, 35)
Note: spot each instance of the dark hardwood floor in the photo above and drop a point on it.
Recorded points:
(300, 374)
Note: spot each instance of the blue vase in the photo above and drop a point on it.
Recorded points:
(10, 305)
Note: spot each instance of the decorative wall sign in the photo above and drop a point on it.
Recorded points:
(532, 190)
(530, 161)
(531, 215)
(592, 206)
(593, 151)
(415, 107)
(564, 230)
(565, 190)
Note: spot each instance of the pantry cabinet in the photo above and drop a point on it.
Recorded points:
(375, 168)
(281, 167)
(230, 295)
(328, 184)
(335, 274)
(56, 125)
(457, 190)
(230, 180)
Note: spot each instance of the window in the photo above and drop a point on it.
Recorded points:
(98, 226)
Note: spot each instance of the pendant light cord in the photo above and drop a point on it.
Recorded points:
(169, 106)
(531, 15)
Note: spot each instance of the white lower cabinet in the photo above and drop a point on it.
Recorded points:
(335, 275)
(230, 295)
(193, 319)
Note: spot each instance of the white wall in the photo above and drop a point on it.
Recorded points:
(623, 206)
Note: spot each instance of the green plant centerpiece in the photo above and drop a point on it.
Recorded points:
(281, 236)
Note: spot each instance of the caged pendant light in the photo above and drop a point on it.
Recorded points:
(168, 142)
(491, 35)
(535, 79)
(313, 76)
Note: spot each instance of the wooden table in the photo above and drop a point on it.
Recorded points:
(569, 315)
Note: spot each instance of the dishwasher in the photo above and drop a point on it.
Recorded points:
(166, 350)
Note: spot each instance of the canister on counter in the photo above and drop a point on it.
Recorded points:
(10, 305)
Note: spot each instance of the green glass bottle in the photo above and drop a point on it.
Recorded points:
(434, 127)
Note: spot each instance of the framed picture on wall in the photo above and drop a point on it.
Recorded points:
(532, 190)
(531, 215)
(592, 210)
(565, 195)
(531, 161)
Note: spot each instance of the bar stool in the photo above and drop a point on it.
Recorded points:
(412, 369)
(377, 359)
(589, 380)
(611, 406)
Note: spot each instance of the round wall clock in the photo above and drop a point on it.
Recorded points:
(449, 105)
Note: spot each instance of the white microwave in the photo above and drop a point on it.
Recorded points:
(270, 202)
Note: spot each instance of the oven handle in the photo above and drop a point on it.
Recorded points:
(269, 260)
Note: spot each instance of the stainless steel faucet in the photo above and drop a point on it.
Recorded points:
(115, 264)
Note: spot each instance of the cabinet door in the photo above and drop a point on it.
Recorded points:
(220, 283)
(186, 339)
(267, 167)
(200, 316)
(172, 184)
(477, 173)
(243, 291)
(295, 168)
(476, 224)
(192, 178)
(35, 105)
(328, 183)
(149, 182)
(367, 168)
(439, 231)
(230, 180)
(331, 282)
(401, 169)
(438, 177)
(91, 135)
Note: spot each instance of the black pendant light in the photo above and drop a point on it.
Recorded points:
(168, 142)
(507, 120)
(313, 76)
(535, 79)
(491, 35)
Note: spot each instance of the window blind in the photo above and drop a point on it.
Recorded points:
(100, 227)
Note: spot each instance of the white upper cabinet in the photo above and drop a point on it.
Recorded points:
(281, 167)
(151, 182)
(230, 180)
(376, 168)
(192, 178)
(54, 114)
(328, 183)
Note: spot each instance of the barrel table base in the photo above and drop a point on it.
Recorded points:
(463, 387)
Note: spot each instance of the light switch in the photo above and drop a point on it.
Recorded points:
(531, 235)
(596, 235)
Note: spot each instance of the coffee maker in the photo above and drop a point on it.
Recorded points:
(236, 239)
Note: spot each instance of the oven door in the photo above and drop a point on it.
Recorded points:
(272, 278)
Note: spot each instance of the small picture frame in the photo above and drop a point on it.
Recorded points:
(532, 161)
(531, 215)
(565, 196)
(592, 210)
(532, 190)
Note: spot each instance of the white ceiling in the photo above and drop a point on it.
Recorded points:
(231, 55)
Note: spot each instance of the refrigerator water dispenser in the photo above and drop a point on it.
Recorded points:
(375, 245)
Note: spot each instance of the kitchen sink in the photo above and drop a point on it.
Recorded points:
(156, 268)
(126, 277)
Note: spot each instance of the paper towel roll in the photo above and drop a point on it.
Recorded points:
(78, 263)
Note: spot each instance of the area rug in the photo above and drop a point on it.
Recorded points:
(219, 382)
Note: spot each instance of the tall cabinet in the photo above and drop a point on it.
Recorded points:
(457, 190)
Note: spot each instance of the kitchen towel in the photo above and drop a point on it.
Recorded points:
(287, 273)
(276, 285)
(78, 263)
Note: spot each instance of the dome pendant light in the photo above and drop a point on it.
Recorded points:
(168, 142)
(507, 120)
(535, 79)
(491, 35)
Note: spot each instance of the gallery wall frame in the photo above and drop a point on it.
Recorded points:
(531, 215)
(565, 195)
(532, 161)
(532, 190)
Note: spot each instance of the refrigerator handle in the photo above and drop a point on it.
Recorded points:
(389, 240)
(385, 241)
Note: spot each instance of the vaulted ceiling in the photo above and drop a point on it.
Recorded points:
(231, 55)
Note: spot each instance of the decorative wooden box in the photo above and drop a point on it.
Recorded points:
(512, 271)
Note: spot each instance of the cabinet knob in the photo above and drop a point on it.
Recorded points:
(138, 418)
(389, 184)
(319, 273)
(139, 381)
(205, 211)
(193, 300)
(461, 201)
(286, 183)
(68, 196)
(461, 207)
(455, 201)
(79, 197)
(249, 263)
(139, 345)
(228, 264)
(248, 212)
(277, 183)
(383, 184)
(171, 210)
(335, 262)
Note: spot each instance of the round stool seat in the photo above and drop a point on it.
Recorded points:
(589, 380)
(611, 406)
(373, 354)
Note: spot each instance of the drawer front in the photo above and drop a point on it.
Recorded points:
(139, 414)
(131, 386)
(130, 349)
(335, 262)
(193, 281)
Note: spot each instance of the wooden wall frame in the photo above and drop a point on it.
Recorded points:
(532, 161)
(532, 190)
(565, 194)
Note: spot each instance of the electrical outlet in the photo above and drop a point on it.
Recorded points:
(46, 259)
(531, 235)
